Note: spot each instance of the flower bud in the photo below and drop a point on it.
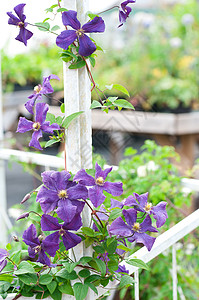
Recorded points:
(27, 196)
(24, 215)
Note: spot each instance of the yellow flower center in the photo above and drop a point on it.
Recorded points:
(20, 24)
(100, 181)
(37, 89)
(80, 32)
(36, 126)
(62, 194)
(37, 249)
(148, 207)
(61, 231)
(136, 227)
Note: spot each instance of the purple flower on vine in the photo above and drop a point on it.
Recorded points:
(24, 34)
(133, 230)
(124, 11)
(38, 126)
(67, 37)
(98, 184)
(3, 260)
(59, 192)
(40, 90)
(70, 240)
(38, 246)
(140, 203)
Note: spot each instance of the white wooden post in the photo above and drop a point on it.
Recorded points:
(136, 286)
(174, 273)
(77, 97)
(3, 235)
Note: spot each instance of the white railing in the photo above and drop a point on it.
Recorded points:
(163, 242)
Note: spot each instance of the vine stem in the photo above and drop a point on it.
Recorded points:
(115, 6)
(43, 28)
(94, 212)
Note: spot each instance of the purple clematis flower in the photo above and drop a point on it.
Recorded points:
(70, 240)
(24, 34)
(67, 37)
(3, 261)
(40, 90)
(158, 211)
(122, 269)
(117, 204)
(59, 192)
(124, 11)
(38, 126)
(36, 246)
(133, 230)
(98, 184)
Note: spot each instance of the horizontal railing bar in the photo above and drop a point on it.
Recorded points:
(34, 158)
(166, 239)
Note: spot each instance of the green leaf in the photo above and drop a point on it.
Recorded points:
(51, 118)
(62, 107)
(70, 266)
(126, 281)
(16, 256)
(112, 265)
(45, 279)
(80, 290)
(123, 103)
(91, 15)
(52, 286)
(92, 287)
(95, 104)
(54, 28)
(84, 273)
(57, 295)
(4, 286)
(69, 119)
(84, 260)
(77, 65)
(99, 249)
(51, 142)
(92, 278)
(46, 19)
(66, 275)
(115, 214)
(54, 5)
(43, 26)
(62, 9)
(88, 231)
(121, 88)
(29, 279)
(24, 267)
(66, 288)
(109, 87)
(59, 120)
(112, 99)
(137, 263)
(112, 247)
(101, 266)
(92, 61)
(67, 53)
(122, 247)
(8, 247)
(6, 277)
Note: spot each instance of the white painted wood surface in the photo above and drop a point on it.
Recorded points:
(3, 236)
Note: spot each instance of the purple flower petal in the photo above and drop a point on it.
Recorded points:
(159, 213)
(113, 188)
(24, 35)
(144, 239)
(74, 224)
(30, 103)
(34, 142)
(51, 243)
(46, 127)
(2, 265)
(41, 112)
(49, 223)
(3, 255)
(66, 38)
(117, 204)
(48, 205)
(83, 178)
(43, 258)
(146, 225)
(95, 25)
(77, 192)
(70, 18)
(19, 11)
(24, 125)
(119, 228)
(96, 195)
(130, 216)
(86, 46)
(30, 236)
(66, 211)
(130, 201)
(142, 199)
(100, 173)
(55, 180)
(70, 240)
(13, 20)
